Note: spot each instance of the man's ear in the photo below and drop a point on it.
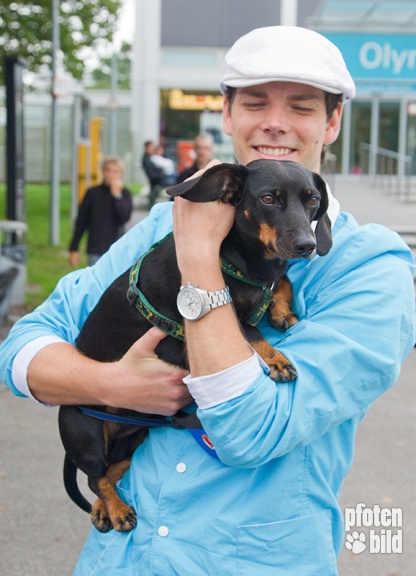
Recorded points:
(333, 127)
(223, 181)
(226, 116)
(323, 232)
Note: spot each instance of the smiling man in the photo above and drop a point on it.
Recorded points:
(267, 504)
(284, 94)
(280, 121)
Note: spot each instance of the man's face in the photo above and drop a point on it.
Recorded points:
(203, 151)
(280, 121)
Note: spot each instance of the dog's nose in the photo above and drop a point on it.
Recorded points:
(305, 250)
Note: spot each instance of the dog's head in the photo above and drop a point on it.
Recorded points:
(276, 203)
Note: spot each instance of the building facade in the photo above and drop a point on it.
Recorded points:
(179, 46)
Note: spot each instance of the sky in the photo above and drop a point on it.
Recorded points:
(125, 28)
(124, 32)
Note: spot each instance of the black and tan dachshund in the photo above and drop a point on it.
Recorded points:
(276, 202)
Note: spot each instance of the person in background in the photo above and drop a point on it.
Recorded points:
(203, 146)
(166, 165)
(267, 504)
(155, 166)
(103, 212)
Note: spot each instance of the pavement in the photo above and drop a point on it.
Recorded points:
(42, 532)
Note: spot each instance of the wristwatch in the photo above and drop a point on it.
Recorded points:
(193, 303)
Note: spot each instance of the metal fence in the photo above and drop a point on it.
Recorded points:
(37, 122)
(390, 171)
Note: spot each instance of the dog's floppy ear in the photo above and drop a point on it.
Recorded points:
(222, 181)
(323, 227)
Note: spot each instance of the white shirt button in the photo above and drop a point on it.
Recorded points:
(181, 467)
(163, 531)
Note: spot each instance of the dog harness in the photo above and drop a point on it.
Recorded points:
(179, 421)
(136, 297)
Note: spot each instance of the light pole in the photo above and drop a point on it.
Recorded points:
(289, 12)
(54, 220)
(113, 104)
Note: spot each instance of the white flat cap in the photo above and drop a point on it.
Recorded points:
(286, 54)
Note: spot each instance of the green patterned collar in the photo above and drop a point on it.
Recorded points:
(136, 297)
(231, 270)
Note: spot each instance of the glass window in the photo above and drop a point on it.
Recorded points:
(388, 136)
(360, 137)
(411, 134)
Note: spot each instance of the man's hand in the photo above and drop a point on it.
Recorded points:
(199, 229)
(147, 384)
(73, 259)
(210, 164)
(116, 187)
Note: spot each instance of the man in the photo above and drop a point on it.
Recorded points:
(103, 212)
(268, 506)
(156, 173)
(203, 147)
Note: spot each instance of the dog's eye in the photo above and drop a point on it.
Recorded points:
(314, 201)
(268, 199)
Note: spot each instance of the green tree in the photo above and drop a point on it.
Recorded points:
(26, 30)
(101, 75)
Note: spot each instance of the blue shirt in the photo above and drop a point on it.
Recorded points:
(269, 505)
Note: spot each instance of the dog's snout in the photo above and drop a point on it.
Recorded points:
(305, 249)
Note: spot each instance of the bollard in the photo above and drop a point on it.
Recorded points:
(13, 255)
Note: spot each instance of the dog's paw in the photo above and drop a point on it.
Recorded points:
(282, 371)
(126, 521)
(282, 319)
(100, 518)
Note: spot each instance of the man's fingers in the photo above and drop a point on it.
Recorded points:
(145, 347)
(210, 164)
(150, 340)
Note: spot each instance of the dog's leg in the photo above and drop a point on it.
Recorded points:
(281, 370)
(280, 314)
(99, 516)
(109, 511)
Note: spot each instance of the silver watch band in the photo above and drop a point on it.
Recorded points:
(218, 297)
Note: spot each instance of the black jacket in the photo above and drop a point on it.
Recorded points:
(154, 174)
(103, 216)
(187, 173)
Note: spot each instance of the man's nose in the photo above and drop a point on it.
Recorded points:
(275, 120)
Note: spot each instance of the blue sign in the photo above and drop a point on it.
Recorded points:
(379, 58)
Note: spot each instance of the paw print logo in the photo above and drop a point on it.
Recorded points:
(355, 542)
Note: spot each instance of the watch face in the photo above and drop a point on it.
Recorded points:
(189, 303)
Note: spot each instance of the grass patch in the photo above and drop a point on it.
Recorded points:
(46, 264)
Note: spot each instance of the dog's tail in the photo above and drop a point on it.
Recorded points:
(71, 485)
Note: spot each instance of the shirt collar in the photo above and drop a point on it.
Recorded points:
(333, 206)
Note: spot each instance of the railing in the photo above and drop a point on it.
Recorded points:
(390, 171)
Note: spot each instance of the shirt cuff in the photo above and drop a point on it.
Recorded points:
(213, 389)
(22, 360)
